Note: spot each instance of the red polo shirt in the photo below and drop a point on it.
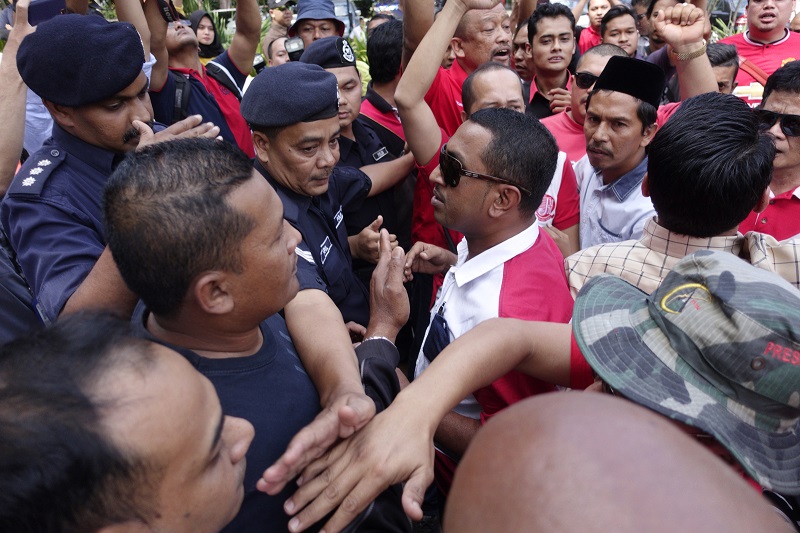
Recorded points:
(781, 218)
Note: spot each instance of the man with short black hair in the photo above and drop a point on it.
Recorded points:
(590, 36)
(619, 27)
(276, 52)
(523, 62)
(551, 34)
(213, 280)
(134, 438)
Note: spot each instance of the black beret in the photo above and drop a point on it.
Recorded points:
(635, 77)
(290, 93)
(74, 60)
(316, 10)
(330, 52)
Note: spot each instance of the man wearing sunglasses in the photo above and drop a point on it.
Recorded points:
(779, 114)
(281, 13)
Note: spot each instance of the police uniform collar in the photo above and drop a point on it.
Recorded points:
(625, 185)
(294, 205)
(104, 161)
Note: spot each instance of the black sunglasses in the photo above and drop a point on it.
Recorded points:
(584, 80)
(452, 170)
(790, 124)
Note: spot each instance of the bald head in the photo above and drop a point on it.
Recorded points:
(589, 462)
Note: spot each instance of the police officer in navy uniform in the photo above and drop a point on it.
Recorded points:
(359, 145)
(293, 112)
(52, 213)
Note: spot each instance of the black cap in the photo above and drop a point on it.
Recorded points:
(330, 52)
(290, 93)
(634, 77)
(74, 60)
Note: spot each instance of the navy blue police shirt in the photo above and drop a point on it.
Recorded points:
(320, 221)
(53, 217)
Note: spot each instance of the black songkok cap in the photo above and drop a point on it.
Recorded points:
(635, 77)
(330, 52)
(74, 60)
(290, 93)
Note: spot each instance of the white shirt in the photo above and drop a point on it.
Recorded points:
(614, 212)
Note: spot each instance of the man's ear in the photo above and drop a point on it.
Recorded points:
(261, 144)
(649, 133)
(211, 292)
(62, 114)
(763, 202)
(455, 43)
(646, 185)
(507, 198)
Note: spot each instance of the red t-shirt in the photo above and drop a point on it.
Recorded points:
(589, 37)
(781, 218)
(444, 97)
(768, 57)
(568, 135)
(388, 120)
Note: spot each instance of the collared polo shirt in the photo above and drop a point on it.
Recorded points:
(539, 106)
(781, 218)
(768, 57)
(320, 221)
(614, 212)
(380, 115)
(589, 38)
(210, 99)
(444, 97)
(53, 217)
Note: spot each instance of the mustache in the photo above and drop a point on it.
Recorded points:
(597, 148)
(133, 133)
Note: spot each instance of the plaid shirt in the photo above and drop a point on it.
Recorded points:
(646, 262)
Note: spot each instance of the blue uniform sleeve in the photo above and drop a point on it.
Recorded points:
(307, 273)
(352, 187)
(56, 248)
(163, 101)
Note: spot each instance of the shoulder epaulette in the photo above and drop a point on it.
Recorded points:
(31, 178)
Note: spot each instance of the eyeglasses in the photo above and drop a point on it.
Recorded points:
(452, 170)
(641, 16)
(287, 7)
(790, 124)
(584, 80)
(175, 23)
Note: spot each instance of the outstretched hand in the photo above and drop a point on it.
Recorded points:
(183, 129)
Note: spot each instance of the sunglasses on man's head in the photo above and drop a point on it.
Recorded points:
(452, 170)
(584, 80)
(790, 124)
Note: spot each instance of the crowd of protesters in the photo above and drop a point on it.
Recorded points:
(290, 298)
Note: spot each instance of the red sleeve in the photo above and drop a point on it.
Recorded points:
(665, 111)
(581, 374)
(568, 207)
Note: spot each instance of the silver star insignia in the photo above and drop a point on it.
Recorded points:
(36, 171)
(27, 182)
(44, 163)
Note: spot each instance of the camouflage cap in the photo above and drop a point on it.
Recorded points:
(716, 346)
